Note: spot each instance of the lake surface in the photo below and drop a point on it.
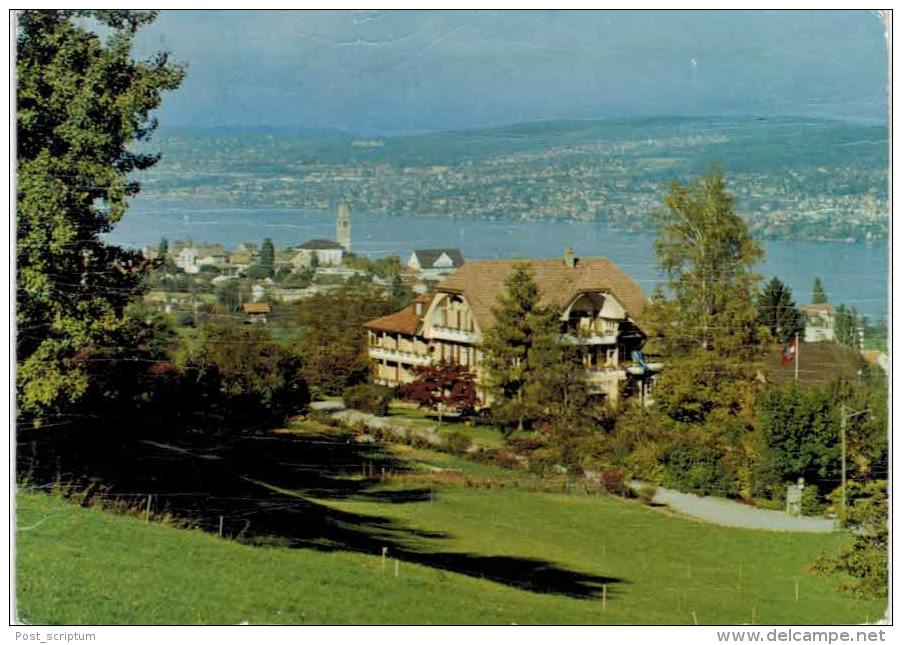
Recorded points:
(856, 274)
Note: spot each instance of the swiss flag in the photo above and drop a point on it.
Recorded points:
(789, 352)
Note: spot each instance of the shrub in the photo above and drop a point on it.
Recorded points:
(647, 493)
(541, 460)
(457, 442)
(368, 397)
(613, 480)
(527, 444)
(812, 504)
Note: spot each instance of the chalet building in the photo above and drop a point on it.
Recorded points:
(435, 263)
(600, 311)
(819, 321)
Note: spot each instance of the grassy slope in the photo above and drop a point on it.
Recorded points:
(89, 566)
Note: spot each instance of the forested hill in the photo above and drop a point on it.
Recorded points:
(793, 177)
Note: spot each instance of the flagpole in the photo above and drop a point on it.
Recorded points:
(797, 356)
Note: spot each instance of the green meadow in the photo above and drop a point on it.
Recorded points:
(466, 543)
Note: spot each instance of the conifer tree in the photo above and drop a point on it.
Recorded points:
(267, 258)
(777, 311)
(532, 376)
(818, 296)
(506, 346)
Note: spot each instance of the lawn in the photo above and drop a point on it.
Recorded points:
(467, 553)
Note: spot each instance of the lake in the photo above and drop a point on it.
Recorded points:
(853, 273)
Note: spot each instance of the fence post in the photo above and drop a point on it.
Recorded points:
(147, 511)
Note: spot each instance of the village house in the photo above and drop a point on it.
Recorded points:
(819, 321)
(435, 263)
(326, 252)
(255, 312)
(600, 305)
(186, 260)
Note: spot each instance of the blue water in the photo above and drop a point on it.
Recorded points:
(856, 274)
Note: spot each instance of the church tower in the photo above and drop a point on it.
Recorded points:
(343, 226)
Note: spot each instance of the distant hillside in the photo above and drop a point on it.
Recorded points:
(793, 177)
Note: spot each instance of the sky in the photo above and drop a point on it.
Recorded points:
(385, 72)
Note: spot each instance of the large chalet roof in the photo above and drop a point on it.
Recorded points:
(320, 244)
(406, 321)
(483, 281)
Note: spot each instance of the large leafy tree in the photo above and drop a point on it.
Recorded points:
(707, 254)
(778, 312)
(706, 326)
(82, 104)
(333, 343)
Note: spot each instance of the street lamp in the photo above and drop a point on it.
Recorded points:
(843, 420)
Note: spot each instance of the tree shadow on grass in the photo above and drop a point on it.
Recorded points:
(262, 489)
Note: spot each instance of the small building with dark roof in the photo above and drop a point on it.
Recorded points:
(435, 262)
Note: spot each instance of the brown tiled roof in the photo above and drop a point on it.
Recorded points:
(819, 363)
(255, 308)
(482, 282)
(405, 321)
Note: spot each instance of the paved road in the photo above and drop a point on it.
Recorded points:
(715, 510)
(725, 512)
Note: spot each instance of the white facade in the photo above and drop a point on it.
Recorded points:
(186, 260)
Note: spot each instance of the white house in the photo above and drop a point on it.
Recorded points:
(819, 322)
(186, 260)
(326, 252)
(435, 263)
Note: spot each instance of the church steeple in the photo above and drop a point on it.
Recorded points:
(343, 226)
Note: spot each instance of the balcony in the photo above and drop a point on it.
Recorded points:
(585, 338)
(455, 335)
(407, 358)
(605, 375)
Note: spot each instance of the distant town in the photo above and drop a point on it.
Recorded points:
(593, 171)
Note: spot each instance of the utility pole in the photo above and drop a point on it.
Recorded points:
(842, 439)
(844, 417)
(797, 356)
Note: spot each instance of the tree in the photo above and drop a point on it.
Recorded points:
(707, 254)
(267, 258)
(163, 249)
(82, 104)
(441, 387)
(506, 347)
(334, 339)
(708, 331)
(865, 561)
(777, 311)
(846, 326)
(817, 292)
